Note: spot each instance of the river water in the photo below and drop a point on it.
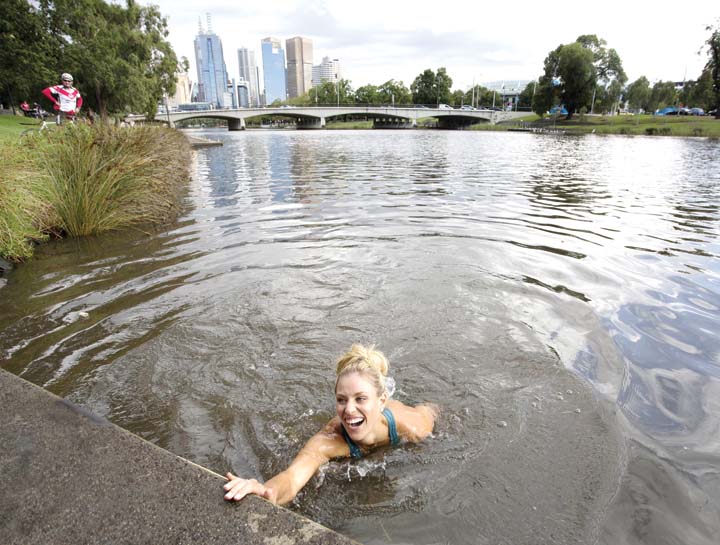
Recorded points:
(558, 297)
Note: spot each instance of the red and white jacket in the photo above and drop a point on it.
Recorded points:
(67, 98)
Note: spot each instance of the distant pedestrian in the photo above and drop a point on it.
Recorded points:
(65, 98)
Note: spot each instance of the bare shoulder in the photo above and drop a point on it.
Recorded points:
(328, 443)
(414, 423)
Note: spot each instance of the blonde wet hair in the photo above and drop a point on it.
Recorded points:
(367, 361)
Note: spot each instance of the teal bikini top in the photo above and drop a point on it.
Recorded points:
(355, 451)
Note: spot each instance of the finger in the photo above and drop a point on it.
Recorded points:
(239, 488)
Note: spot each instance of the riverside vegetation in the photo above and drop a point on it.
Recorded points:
(79, 180)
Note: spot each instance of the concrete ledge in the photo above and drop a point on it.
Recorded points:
(68, 476)
(197, 142)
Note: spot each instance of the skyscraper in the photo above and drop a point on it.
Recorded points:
(273, 58)
(327, 70)
(299, 65)
(183, 90)
(248, 72)
(212, 74)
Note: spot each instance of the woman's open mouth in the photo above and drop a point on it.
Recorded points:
(354, 423)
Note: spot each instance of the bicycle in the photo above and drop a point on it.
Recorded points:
(44, 125)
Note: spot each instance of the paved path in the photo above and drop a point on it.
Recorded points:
(70, 477)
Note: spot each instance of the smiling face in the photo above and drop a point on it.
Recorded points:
(359, 407)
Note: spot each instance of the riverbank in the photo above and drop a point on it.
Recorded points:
(80, 180)
(633, 125)
(637, 125)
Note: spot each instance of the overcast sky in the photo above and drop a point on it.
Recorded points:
(376, 40)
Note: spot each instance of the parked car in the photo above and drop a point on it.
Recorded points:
(444, 107)
(670, 110)
(697, 111)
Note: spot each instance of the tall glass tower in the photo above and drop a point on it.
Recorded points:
(212, 74)
(273, 58)
(248, 72)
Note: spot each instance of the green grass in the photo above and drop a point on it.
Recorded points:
(11, 126)
(349, 125)
(81, 180)
(639, 125)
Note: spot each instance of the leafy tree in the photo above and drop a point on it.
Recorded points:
(481, 95)
(699, 93)
(578, 76)
(638, 94)
(574, 71)
(457, 98)
(328, 93)
(663, 94)
(367, 94)
(526, 96)
(431, 88)
(713, 64)
(394, 92)
(545, 94)
(118, 54)
(608, 98)
(28, 55)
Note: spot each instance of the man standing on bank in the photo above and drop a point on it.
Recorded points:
(65, 98)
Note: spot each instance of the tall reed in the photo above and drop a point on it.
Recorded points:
(82, 180)
(25, 217)
(105, 178)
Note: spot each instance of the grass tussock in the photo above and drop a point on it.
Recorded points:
(82, 180)
(24, 214)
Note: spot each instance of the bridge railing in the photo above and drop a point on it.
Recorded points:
(330, 105)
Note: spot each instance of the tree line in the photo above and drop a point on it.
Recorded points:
(429, 88)
(587, 76)
(119, 55)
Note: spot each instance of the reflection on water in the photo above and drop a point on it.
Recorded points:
(485, 265)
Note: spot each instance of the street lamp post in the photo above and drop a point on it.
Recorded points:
(337, 89)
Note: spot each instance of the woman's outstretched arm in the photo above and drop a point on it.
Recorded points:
(284, 486)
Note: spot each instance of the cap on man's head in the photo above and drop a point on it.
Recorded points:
(66, 77)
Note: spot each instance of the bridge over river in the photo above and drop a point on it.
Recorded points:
(314, 117)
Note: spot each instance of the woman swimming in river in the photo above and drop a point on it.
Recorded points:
(366, 419)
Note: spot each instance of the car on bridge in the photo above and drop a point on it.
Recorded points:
(444, 107)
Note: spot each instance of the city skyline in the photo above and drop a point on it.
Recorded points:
(399, 41)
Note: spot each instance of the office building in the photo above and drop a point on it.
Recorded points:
(183, 90)
(327, 70)
(273, 58)
(299, 65)
(243, 93)
(211, 70)
(249, 73)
